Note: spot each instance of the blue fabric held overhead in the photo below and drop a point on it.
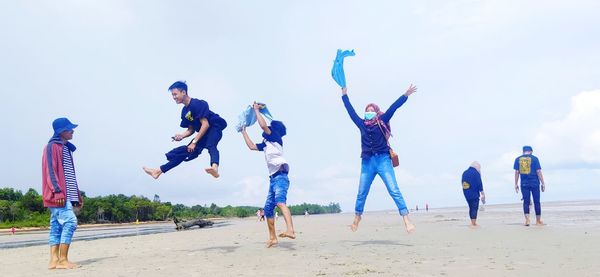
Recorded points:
(337, 72)
(248, 117)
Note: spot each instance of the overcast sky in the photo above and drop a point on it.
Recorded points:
(492, 77)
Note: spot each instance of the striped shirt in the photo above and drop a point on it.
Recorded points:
(71, 181)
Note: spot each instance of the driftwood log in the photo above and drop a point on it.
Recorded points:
(182, 225)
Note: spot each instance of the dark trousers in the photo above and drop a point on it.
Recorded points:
(473, 207)
(209, 141)
(527, 192)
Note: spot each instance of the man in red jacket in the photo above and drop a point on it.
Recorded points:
(60, 192)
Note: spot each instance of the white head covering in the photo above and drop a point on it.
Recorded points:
(476, 165)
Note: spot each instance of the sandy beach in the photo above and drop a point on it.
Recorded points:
(443, 245)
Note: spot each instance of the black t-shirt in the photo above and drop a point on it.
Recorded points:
(196, 110)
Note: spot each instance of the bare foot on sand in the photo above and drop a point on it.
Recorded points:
(540, 223)
(213, 171)
(52, 264)
(65, 265)
(271, 243)
(474, 226)
(155, 173)
(288, 234)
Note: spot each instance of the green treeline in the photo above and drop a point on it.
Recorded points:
(26, 210)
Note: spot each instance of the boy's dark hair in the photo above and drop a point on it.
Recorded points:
(180, 85)
(278, 127)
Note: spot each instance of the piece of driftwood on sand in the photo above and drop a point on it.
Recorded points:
(182, 225)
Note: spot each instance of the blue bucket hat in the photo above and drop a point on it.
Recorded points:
(278, 127)
(527, 148)
(62, 124)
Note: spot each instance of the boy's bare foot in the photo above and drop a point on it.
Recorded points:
(287, 234)
(65, 265)
(540, 223)
(473, 226)
(155, 173)
(212, 171)
(52, 264)
(271, 242)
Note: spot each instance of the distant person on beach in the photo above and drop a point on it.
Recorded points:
(60, 192)
(426, 207)
(306, 213)
(13, 230)
(527, 166)
(257, 215)
(197, 118)
(262, 214)
(375, 131)
(473, 189)
(417, 208)
(278, 167)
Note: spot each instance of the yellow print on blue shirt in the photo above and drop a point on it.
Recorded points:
(466, 185)
(188, 116)
(525, 165)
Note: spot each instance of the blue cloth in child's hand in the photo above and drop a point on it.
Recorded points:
(248, 117)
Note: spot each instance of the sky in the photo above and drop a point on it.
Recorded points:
(492, 76)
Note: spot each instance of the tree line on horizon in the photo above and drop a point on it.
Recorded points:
(20, 209)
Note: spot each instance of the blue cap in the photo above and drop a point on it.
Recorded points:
(527, 148)
(62, 124)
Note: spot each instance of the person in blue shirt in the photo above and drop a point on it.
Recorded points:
(272, 146)
(198, 119)
(375, 131)
(527, 166)
(473, 189)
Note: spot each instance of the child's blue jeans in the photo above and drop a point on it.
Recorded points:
(378, 164)
(278, 188)
(63, 224)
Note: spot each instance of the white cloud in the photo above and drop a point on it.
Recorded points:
(573, 141)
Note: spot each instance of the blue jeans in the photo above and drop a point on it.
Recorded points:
(527, 192)
(278, 188)
(63, 224)
(210, 140)
(378, 164)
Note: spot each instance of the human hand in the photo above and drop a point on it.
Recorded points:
(177, 137)
(411, 89)
(59, 201)
(344, 90)
(483, 199)
(256, 106)
(517, 188)
(191, 147)
(543, 187)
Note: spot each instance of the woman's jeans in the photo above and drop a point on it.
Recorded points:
(378, 164)
(63, 224)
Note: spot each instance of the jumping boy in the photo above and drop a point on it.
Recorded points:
(199, 119)
(278, 167)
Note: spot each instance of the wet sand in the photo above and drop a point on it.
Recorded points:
(443, 245)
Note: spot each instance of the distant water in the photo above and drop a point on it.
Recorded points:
(24, 239)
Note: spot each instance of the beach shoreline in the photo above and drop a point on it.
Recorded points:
(443, 245)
